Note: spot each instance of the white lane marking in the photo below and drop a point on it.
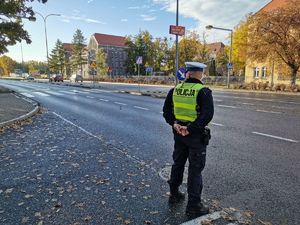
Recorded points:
(258, 99)
(161, 112)
(276, 137)
(90, 97)
(138, 107)
(41, 94)
(103, 100)
(75, 91)
(246, 103)
(199, 220)
(68, 92)
(134, 158)
(218, 100)
(265, 111)
(228, 106)
(217, 124)
(120, 103)
(27, 95)
(53, 93)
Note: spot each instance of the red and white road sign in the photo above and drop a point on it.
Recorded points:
(177, 30)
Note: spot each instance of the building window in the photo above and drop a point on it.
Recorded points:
(264, 72)
(256, 72)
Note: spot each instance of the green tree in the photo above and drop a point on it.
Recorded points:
(11, 26)
(57, 59)
(222, 60)
(78, 59)
(36, 67)
(101, 62)
(131, 55)
(7, 65)
(277, 33)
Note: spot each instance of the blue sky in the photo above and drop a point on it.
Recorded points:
(127, 17)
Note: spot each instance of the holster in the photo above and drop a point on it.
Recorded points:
(206, 136)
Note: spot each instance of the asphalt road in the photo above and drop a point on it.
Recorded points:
(253, 160)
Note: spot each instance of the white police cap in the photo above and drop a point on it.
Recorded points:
(195, 66)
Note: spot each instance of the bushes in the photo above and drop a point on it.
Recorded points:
(267, 87)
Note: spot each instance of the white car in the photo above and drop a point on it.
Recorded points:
(76, 78)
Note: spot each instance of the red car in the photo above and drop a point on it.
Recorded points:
(57, 78)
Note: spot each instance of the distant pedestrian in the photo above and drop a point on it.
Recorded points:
(188, 109)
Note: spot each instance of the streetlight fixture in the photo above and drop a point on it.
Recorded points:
(210, 27)
(45, 26)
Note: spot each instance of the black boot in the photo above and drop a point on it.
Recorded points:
(176, 197)
(196, 210)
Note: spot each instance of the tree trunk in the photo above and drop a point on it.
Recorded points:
(294, 75)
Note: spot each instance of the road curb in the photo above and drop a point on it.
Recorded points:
(25, 116)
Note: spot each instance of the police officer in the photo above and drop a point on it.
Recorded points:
(188, 108)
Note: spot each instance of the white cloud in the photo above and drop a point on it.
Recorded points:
(148, 17)
(124, 20)
(89, 1)
(83, 18)
(94, 21)
(66, 20)
(139, 7)
(222, 13)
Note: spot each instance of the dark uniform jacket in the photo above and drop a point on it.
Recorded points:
(205, 109)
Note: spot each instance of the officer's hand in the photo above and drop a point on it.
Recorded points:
(177, 127)
(184, 131)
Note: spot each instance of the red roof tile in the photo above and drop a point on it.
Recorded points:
(68, 46)
(105, 39)
(215, 47)
(274, 4)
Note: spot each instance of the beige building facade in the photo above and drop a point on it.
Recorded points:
(271, 71)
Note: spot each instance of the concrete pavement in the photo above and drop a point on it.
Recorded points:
(252, 161)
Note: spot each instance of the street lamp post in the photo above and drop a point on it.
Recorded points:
(209, 27)
(45, 27)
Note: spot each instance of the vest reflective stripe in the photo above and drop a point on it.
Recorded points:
(185, 101)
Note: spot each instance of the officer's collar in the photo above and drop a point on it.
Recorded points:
(193, 80)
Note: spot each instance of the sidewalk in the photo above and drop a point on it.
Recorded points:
(14, 108)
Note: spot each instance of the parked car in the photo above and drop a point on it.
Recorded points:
(76, 78)
(30, 77)
(56, 78)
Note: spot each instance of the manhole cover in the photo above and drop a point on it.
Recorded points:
(165, 172)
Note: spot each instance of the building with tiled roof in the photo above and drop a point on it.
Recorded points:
(214, 49)
(115, 49)
(268, 71)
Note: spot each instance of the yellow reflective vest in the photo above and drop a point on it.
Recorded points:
(185, 101)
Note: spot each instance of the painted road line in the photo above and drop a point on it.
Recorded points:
(54, 93)
(103, 100)
(68, 92)
(217, 124)
(246, 103)
(161, 112)
(138, 107)
(228, 106)
(41, 94)
(90, 97)
(218, 100)
(27, 95)
(265, 111)
(120, 103)
(81, 92)
(276, 137)
(199, 220)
